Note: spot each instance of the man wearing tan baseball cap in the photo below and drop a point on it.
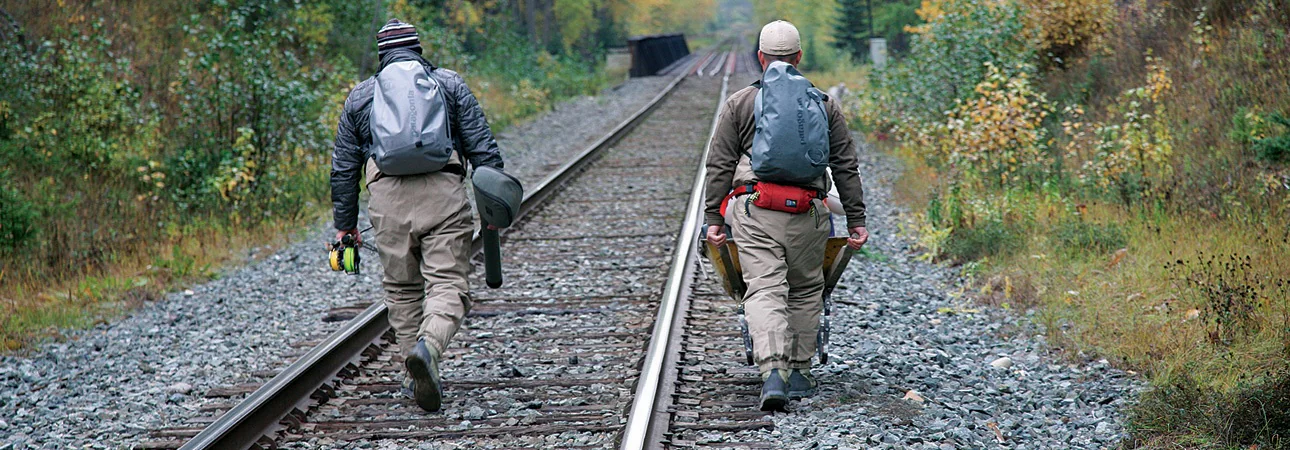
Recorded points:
(779, 38)
(781, 250)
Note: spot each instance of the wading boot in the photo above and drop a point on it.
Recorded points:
(774, 391)
(800, 383)
(423, 365)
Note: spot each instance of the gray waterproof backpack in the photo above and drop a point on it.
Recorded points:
(409, 121)
(791, 142)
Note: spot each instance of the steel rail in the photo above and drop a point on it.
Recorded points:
(649, 409)
(259, 414)
(718, 63)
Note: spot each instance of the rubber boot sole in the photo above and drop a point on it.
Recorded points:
(425, 387)
(798, 395)
(773, 402)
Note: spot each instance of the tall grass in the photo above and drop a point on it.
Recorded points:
(1151, 222)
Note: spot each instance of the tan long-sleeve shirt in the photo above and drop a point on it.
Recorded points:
(729, 164)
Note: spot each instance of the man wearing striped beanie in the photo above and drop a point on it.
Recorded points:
(396, 34)
(422, 221)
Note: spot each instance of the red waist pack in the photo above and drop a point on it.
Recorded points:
(789, 199)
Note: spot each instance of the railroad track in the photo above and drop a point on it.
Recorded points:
(597, 275)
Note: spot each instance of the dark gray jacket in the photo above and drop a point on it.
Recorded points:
(473, 139)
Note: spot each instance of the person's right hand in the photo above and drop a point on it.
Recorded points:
(858, 237)
(715, 235)
(358, 237)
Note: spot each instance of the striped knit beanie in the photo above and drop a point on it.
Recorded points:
(396, 34)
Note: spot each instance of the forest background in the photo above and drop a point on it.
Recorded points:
(1114, 170)
(142, 144)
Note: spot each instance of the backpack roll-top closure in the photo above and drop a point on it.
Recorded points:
(791, 139)
(409, 118)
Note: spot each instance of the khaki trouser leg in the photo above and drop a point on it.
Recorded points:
(423, 227)
(806, 288)
(445, 265)
(781, 255)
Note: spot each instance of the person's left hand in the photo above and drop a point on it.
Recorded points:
(859, 235)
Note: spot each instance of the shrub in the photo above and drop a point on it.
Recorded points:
(1260, 414)
(18, 217)
(996, 138)
(1235, 293)
(1267, 134)
(1080, 236)
(1131, 151)
(1069, 28)
(988, 238)
(1256, 414)
(949, 55)
(252, 104)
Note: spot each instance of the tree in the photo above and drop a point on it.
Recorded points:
(854, 28)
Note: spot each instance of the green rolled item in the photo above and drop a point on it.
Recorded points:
(497, 199)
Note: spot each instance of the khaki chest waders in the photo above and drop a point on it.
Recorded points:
(725, 261)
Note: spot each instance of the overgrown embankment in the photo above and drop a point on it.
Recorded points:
(1122, 167)
(143, 143)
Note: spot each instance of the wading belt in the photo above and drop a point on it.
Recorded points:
(778, 197)
(741, 190)
(451, 168)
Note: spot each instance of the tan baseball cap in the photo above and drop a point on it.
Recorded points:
(779, 38)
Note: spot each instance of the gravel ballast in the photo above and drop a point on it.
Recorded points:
(900, 331)
(915, 364)
(108, 386)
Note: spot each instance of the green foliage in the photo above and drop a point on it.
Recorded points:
(892, 20)
(1178, 116)
(1254, 415)
(512, 75)
(1130, 153)
(1267, 134)
(102, 166)
(83, 118)
(1081, 236)
(137, 134)
(82, 124)
(853, 29)
(984, 239)
(815, 21)
(951, 53)
(252, 107)
(508, 57)
(18, 217)
(351, 37)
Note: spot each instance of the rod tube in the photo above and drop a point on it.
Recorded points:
(492, 257)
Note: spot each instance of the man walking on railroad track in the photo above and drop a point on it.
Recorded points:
(411, 128)
(772, 143)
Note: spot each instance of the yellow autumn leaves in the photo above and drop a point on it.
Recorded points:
(997, 135)
(1060, 26)
(1131, 149)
